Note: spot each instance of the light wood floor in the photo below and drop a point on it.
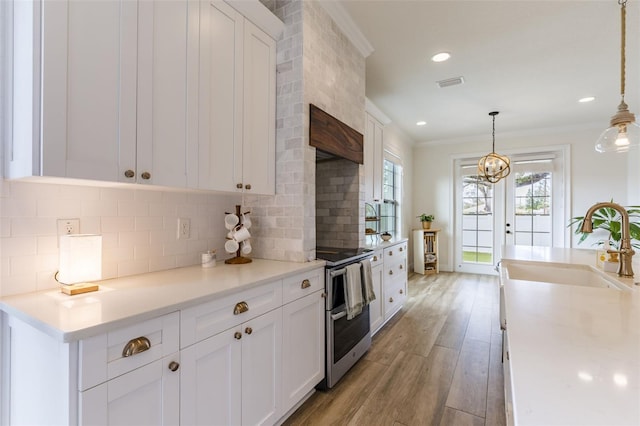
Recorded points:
(437, 362)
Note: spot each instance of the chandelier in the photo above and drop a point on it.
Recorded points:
(493, 166)
(623, 132)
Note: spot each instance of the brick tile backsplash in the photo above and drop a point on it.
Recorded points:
(138, 227)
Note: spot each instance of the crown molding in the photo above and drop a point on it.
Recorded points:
(344, 21)
(372, 109)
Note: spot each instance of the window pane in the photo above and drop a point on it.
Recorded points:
(477, 220)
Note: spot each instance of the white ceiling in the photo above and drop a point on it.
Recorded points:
(530, 60)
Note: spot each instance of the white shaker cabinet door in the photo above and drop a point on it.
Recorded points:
(259, 143)
(262, 369)
(149, 395)
(166, 146)
(211, 380)
(220, 111)
(303, 348)
(88, 87)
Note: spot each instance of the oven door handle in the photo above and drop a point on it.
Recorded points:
(337, 272)
(336, 317)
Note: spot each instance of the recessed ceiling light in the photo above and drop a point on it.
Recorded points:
(421, 123)
(440, 57)
(586, 99)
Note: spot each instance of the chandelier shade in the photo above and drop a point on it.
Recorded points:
(623, 132)
(494, 166)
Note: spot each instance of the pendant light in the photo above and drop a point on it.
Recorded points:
(494, 167)
(624, 131)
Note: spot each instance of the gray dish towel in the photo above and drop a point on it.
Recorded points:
(353, 291)
(368, 295)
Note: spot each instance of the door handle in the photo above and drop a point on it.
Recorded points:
(508, 232)
(339, 315)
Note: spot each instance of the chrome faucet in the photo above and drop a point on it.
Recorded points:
(625, 269)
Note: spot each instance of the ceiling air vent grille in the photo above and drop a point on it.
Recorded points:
(450, 82)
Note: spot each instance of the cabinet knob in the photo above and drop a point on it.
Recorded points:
(240, 308)
(400, 249)
(390, 272)
(248, 186)
(401, 266)
(391, 300)
(239, 185)
(323, 295)
(129, 174)
(136, 346)
(305, 284)
(375, 258)
(237, 335)
(173, 366)
(390, 253)
(401, 291)
(248, 330)
(146, 175)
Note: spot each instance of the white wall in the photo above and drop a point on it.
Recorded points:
(595, 177)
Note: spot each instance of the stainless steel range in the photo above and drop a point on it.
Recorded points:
(346, 340)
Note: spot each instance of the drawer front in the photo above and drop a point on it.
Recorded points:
(394, 297)
(114, 353)
(377, 258)
(209, 319)
(301, 285)
(396, 267)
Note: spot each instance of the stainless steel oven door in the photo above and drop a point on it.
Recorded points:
(347, 341)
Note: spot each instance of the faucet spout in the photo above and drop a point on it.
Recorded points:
(626, 252)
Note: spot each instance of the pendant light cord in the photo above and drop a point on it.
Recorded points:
(493, 133)
(623, 29)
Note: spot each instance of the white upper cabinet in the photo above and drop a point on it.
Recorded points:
(237, 102)
(175, 93)
(373, 146)
(115, 99)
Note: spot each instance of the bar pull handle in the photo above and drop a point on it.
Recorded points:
(136, 346)
(339, 315)
(240, 308)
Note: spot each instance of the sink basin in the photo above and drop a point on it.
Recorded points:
(560, 273)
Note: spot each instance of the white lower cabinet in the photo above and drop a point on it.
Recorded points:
(244, 358)
(395, 278)
(303, 348)
(233, 377)
(376, 307)
(149, 395)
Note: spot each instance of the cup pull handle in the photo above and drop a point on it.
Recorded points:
(136, 346)
(305, 284)
(240, 308)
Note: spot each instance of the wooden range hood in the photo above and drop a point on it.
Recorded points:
(331, 135)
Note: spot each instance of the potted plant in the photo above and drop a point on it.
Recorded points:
(426, 220)
(609, 220)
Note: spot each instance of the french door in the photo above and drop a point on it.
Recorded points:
(526, 208)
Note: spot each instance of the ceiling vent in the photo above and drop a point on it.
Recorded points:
(450, 82)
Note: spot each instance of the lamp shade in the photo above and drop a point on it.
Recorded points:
(619, 138)
(80, 258)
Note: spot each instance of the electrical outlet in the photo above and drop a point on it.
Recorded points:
(184, 228)
(68, 226)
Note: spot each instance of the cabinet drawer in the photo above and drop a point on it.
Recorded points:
(302, 284)
(395, 268)
(211, 318)
(103, 357)
(394, 297)
(376, 259)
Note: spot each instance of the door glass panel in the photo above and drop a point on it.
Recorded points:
(532, 208)
(477, 220)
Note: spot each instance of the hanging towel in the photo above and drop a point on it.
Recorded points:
(368, 295)
(353, 291)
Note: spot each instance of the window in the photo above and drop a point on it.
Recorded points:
(391, 195)
(477, 219)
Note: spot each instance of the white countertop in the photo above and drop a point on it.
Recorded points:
(123, 301)
(380, 245)
(574, 351)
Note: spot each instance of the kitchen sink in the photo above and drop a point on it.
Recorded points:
(560, 273)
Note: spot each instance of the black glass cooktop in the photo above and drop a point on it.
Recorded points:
(339, 256)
